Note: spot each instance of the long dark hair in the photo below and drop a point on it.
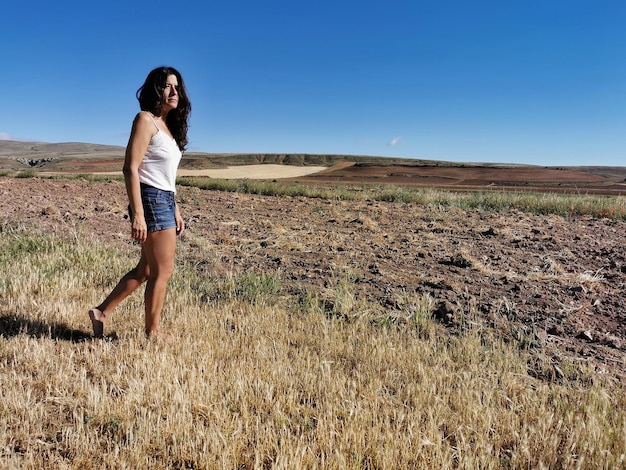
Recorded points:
(149, 96)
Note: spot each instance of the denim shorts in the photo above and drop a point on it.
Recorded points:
(158, 208)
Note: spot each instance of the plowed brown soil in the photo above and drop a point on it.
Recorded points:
(553, 285)
(517, 177)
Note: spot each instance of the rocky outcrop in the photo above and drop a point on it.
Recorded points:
(36, 162)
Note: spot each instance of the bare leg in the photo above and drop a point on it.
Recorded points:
(126, 286)
(160, 250)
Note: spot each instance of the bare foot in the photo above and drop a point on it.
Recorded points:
(160, 335)
(97, 322)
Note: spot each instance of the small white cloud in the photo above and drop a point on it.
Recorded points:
(5, 136)
(393, 141)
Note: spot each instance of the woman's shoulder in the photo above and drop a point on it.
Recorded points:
(144, 123)
(144, 117)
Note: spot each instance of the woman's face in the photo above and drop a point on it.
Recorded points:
(169, 97)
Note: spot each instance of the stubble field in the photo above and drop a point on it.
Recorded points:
(312, 333)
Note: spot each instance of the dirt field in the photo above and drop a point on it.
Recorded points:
(555, 286)
(514, 177)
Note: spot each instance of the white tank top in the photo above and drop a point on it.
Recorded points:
(160, 163)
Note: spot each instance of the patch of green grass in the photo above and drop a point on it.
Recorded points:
(93, 177)
(249, 287)
(26, 174)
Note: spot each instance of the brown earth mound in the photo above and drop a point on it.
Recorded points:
(551, 285)
(475, 177)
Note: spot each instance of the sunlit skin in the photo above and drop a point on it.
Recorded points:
(156, 263)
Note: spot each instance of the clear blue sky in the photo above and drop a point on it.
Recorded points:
(532, 81)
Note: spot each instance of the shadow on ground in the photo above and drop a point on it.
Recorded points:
(12, 325)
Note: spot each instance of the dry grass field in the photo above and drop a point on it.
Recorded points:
(335, 324)
(311, 333)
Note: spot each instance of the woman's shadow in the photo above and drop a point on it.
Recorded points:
(12, 325)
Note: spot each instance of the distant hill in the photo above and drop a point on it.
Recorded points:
(18, 155)
(78, 157)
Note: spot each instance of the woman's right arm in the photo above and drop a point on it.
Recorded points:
(141, 133)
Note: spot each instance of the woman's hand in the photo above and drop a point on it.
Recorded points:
(140, 229)
(180, 223)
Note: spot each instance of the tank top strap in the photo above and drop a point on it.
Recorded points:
(154, 122)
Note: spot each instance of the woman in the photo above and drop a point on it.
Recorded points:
(157, 139)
